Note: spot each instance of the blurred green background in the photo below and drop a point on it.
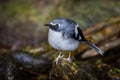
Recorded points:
(21, 21)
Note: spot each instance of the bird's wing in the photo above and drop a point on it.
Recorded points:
(78, 35)
(74, 32)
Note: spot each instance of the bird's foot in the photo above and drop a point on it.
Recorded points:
(59, 57)
(68, 59)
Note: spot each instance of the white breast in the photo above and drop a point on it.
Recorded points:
(58, 42)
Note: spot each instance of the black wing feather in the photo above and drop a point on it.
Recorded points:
(80, 34)
(94, 47)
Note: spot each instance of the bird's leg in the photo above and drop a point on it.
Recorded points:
(59, 57)
(68, 59)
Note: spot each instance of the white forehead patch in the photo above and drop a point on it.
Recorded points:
(52, 23)
(55, 23)
(76, 30)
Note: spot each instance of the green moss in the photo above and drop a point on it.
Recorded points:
(99, 61)
(74, 64)
(115, 70)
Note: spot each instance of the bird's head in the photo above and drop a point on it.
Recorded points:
(61, 24)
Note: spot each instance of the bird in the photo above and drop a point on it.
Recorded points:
(65, 35)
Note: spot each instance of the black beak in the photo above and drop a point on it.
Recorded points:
(47, 25)
(51, 26)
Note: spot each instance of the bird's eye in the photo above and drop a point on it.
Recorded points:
(57, 25)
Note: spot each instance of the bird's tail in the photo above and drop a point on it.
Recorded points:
(94, 47)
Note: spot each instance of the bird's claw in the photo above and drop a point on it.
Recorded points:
(68, 59)
(59, 57)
